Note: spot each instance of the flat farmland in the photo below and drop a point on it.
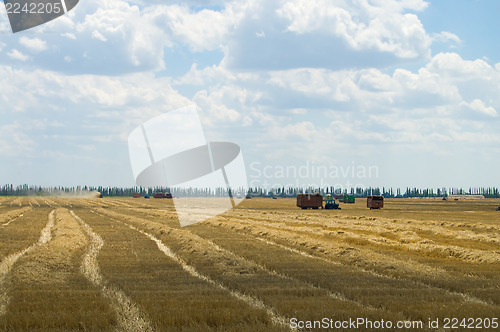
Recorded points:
(125, 264)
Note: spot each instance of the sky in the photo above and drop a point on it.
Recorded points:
(315, 92)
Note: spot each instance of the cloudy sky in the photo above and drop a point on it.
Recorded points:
(407, 89)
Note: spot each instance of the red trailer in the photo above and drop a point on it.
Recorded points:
(162, 195)
(375, 202)
(306, 201)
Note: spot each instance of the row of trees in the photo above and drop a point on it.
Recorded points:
(488, 192)
(26, 190)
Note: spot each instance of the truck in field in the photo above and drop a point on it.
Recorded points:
(309, 201)
(162, 195)
(375, 202)
(348, 199)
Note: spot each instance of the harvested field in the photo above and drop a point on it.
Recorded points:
(125, 264)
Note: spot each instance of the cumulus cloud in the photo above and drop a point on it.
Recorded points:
(109, 37)
(446, 37)
(452, 65)
(383, 27)
(479, 106)
(200, 31)
(304, 130)
(14, 141)
(17, 55)
(320, 33)
(85, 105)
(423, 110)
(226, 104)
(35, 45)
(117, 37)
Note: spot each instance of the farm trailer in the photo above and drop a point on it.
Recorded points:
(349, 199)
(375, 202)
(306, 201)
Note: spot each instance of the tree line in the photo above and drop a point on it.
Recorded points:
(31, 190)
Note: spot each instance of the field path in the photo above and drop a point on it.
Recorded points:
(130, 318)
(8, 262)
(386, 262)
(246, 277)
(337, 276)
(46, 289)
(276, 318)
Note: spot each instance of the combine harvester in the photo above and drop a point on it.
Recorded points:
(315, 201)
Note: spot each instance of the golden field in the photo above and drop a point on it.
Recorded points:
(125, 264)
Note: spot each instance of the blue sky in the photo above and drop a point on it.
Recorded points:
(410, 88)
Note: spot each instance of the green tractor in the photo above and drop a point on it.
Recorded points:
(330, 203)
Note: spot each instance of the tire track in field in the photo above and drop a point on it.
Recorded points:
(271, 231)
(34, 201)
(403, 235)
(50, 205)
(130, 318)
(464, 296)
(136, 202)
(399, 236)
(336, 296)
(275, 317)
(8, 201)
(119, 203)
(16, 201)
(323, 244)
(8, 217)
(8, 262)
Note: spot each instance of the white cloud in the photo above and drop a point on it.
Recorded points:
(14, 141)
(304, 130)
(35, 45)
(420, 111)
(68, 35)
(88, 104)
(452, 65)
(97, 35)
(226, 104)
(446, 37)
(326, 34)
(383, 26)
(479, 106)
(117, 37)
(202, 30)
(17, 55)
(111, 37)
